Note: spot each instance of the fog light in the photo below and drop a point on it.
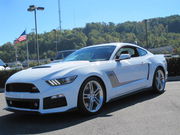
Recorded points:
(10, 102)
(54, 101)
(57, 96)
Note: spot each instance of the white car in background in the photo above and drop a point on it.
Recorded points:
(3, 66)
(86, 79)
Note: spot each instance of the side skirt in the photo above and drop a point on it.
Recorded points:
(129, 94)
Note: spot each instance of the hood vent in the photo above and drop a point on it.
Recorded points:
(41, 67)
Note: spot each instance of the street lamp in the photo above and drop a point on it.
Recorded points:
(31, 9)
(56, 41)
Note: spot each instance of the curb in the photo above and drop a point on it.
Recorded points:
(173, 78)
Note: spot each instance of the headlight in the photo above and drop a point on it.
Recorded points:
(61, 81)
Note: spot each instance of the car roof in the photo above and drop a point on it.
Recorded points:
(117, 44)
(66, 51)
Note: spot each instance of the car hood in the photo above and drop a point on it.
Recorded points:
(44, 71)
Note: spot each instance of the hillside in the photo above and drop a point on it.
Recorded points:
(161, 32)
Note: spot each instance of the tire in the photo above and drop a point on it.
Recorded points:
(91, 96)
(159, 81)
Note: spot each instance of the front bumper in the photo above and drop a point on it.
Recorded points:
(50, 99)
(23, 103)
(48, 102)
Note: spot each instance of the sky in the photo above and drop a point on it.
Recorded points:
(14, 17)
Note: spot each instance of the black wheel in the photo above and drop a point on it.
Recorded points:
(159, 81)
(91, 96)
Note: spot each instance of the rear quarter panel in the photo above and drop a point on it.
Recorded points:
(157, 61)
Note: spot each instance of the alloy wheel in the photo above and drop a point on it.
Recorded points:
(93, 96)
(160, 80)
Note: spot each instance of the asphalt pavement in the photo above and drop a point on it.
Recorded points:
(140, 114)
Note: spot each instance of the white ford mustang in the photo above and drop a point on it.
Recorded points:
(86, 79)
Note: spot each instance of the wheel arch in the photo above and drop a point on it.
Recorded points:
(161, 67)
(158, 66)
(102, 82)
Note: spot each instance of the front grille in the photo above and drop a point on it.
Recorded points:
(23, 103)
(21, 87)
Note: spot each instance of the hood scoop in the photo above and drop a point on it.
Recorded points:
(41, 67)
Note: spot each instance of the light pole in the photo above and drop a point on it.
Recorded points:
(31, 9)
(34, 40)
(56, 41)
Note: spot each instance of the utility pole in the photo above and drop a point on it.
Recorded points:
(56, 41)
(59, 11)
(147, 45)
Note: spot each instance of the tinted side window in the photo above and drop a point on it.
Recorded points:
(141, 52)
(128, 50)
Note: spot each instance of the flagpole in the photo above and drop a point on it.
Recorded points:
(27, 49)
(15, 47)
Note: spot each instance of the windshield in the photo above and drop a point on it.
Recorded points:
(98, 53)
(1, 63)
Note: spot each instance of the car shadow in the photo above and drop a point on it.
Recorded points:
(35, 124)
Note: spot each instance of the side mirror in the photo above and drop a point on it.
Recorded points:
(123, 57)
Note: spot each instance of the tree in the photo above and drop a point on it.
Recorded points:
(161, 32)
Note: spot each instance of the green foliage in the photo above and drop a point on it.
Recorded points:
(32, 64)
(161, 32)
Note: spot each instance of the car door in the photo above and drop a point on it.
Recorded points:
(144, 64)
(130, 73)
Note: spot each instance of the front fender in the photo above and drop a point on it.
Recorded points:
(85, 74)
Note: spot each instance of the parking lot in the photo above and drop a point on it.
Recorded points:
(141, 114)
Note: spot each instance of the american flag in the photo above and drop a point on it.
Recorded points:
(22, 37)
